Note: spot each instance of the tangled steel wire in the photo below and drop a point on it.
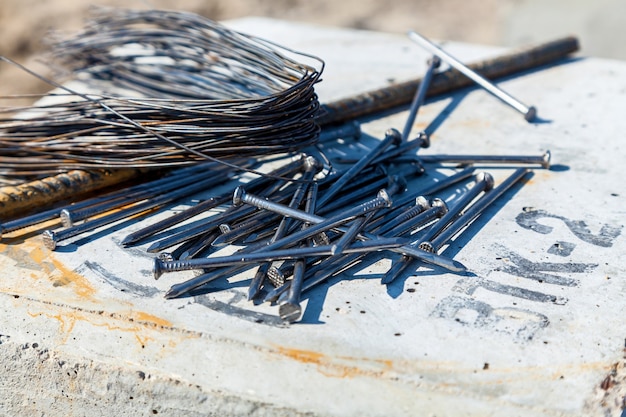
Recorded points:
(193, 90)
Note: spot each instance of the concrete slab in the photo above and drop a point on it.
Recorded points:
(536, 329)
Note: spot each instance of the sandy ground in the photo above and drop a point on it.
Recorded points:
(26, 24)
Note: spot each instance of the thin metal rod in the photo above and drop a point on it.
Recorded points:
(542, 160)
(476, 209)
(420, 95)
(529, 112)
(52, 238)
(392, 137)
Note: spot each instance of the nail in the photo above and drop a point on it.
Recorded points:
(422, 141)
(529, 112)
(318, 275)
(350, 234)
(415, 217)
(484, 182)
(285, 170)
(201, 243)
(392, 137)
(70, 215)
(205, 226)
(367, 176)
(293, 253)
(394, 184)
(543, 160)
(434, 188)
(291, 310)
(268, 268)
(420, 95)
(211, 276)
(277, 273)
(52, 238)
(311, 167)
(240, 196)
(259, 221)
(161, 266)
(473, 211)
(257, 281)
(321, 224)
(170, 221)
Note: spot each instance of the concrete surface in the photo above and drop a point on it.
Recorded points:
(536, 329)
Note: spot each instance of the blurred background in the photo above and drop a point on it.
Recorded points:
(599, 24)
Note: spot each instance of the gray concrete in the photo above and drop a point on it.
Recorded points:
(531, 331)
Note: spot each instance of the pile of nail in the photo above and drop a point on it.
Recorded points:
(298, 235)
(292, 235)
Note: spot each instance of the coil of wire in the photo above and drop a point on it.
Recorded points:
(193, 90)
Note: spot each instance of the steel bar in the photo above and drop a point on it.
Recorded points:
(29, 196)
(71, 215)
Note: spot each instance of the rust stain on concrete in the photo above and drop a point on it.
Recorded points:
(340, 366)
(34, 261)
(140, 324)
(150, 319)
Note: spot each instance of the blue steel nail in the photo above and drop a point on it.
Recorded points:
(473, 211)
(392, 137)
(542, 160)
(420, 95)
(234, 260)
(322, 224)
(52, 238)
(484, 182)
